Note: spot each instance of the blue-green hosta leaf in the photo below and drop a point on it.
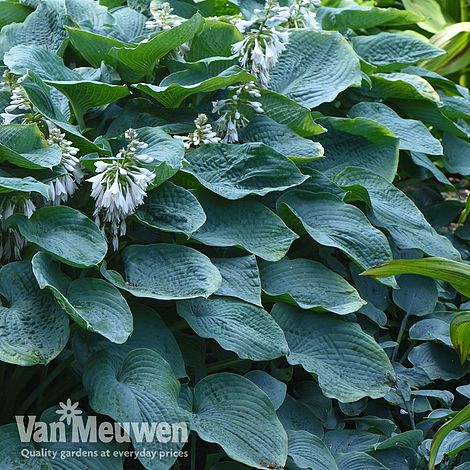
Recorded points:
(385, 49)
(240, 278)
(233, 412)
(25, 146)
(309, 452)
(39, 94)
(237, 326)
(12, 12)
(171, 208)
(430, 329)
(349, 364)
(424, 161)
(358, 461)
(274, 389)
(394, 211)
(133, 61)
(364, 17)
(12, 450)
(235, 171)
(286, 111)
(417, 295)
(413, 135)
(139, 388)
(141, 58)
(129, 24)
(456, 155)
(167, 153)
(165, 272)
(43, 27)
(33, 328)
(345, 440)
(27, 184)
(84, 95)
(88, 13)
(310, 285)
(296, 415)
(175, 88)
(94, 304)
(150, 332)
(282, 139)
(404, 86)
(247, 224)
(438, 361)
(331, 222)
(65, 233)
(45, 63)
(214, 40)
(329, 66)
(357, 142)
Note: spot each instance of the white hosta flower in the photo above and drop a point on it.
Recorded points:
(231, 110)
(202, 135)
(12, 242)
(162, 17)
(260, 50)
(18, 104)
(120, 186)
(303, 14)
(64, 186)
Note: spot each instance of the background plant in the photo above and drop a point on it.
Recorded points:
(250, 217)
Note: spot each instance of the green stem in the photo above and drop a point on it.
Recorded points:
(463, 10)
(400, 335)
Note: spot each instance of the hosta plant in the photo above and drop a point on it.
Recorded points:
(234, 234)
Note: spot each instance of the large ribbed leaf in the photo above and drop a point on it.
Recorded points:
(456, 155)
(23, 185)
(248, 224)
(357, 142)
(413, 135)
(363, 17)
(65, 233)
(235, 171)
(331, 222)
(404, 86)
(386, 49)
(165, 272)
(394, 211)
(282, 139)
(349, 364)
(139, 388)
(25, 146)
(150, 332)
(240, 278)
(33, 328)
(175, 88)
(84, 95)
(309, 451)
(358, 461)
(232, 411)
(329, 66)
(310, 285)
(43, 27)
(171, 208)
(247, 330)
(94, 304)
(45, 63)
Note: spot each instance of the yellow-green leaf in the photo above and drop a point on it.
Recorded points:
(460, 334)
